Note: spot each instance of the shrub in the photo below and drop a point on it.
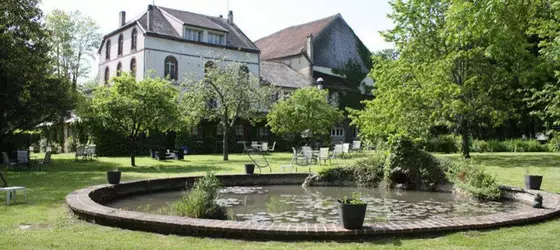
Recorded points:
(408, 165)
(364, 173)
(200, 202)
(441, 143)
(496, 146)
(480, 146)
(554, 143)
(473, 181)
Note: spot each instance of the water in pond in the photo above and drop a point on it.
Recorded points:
(318, 204)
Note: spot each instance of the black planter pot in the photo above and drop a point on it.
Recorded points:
(351, 215)
(249, 168)
(179, 155)
(533, 182)
(114, 177)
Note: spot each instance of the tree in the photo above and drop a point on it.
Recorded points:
(306, 109)
(75, 38)
(226, 94)
(29, 92)
(546, 27)
(456, 62)
(134, 108)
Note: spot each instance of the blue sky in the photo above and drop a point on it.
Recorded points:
(257, 18)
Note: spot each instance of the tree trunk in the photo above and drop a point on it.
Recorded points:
(465, 140)
(132, 153)
(225, 151)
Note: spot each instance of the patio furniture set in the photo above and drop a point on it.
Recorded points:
(24, 161)
(85, 153)
(306, 156)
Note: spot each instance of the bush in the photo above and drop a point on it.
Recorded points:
(554, 143)
(200, 202)
(473, 181)
(412, 167)
(480, 146)
(496, 146)
(441, 143)
(364, 173)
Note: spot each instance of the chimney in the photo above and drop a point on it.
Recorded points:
(149, 16)
(122, 18)
(230, 17)
(310, 47)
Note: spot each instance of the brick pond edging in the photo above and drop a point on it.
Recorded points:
(87, 204)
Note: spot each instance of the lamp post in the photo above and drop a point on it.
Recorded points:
(320, 83)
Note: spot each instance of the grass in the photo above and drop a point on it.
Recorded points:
(53, 226)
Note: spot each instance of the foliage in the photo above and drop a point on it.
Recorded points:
(457, 60)
(554, 143)
(134, 108)
(363, 173)
(356, 199)
(226, 94)
(200, 202)
(441, 143)
(30, 93)
(474, 181)
(74, 39)
(306, 109)
(409, 166)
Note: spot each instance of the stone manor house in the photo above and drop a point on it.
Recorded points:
(175, 43)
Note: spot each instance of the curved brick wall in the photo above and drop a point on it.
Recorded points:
(87, 204)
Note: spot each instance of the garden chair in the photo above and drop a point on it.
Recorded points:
(264, 147)
(337, 153)
(346, 149)
(6, 160)
(256, 160)
(80, 152)
(292, 162)
(272, 148)
(45, 161)
(307, 153)
(324, 155)
(90, 151)
(357, 145)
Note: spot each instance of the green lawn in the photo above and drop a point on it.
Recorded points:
(52, 226)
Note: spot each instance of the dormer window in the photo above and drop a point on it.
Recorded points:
(193, 35)
(215, 38)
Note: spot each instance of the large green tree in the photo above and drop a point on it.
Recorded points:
(74, 40)
(227, 93)
(305, 109)
(29, 92)
(456, 62)
(547, 27)
(134, 108)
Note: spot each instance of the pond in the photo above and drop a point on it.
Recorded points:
(292, 203)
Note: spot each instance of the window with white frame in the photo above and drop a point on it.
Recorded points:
(215, 38)
(239, 130)
(193, 35)
(337, 132)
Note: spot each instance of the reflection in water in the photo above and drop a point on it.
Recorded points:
(318, 204)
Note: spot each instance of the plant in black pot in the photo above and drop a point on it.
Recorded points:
(533, 181)
(249, 168)
(352, 211)
(114, 176)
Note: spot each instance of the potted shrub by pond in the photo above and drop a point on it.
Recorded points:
(352, 211)
(114, 176)
(249, 168)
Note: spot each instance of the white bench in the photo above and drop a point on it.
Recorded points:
(11, 192)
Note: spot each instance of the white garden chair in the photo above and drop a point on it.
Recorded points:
(22, 157)
(264, 147)
(346, 148)
(272, 148)
(357, 145)
(337, 151)
(80, 152)
(307, 153)
(324, 155)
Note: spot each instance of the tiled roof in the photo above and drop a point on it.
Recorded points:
(292, 40)
(281, 75)
(235, 38)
